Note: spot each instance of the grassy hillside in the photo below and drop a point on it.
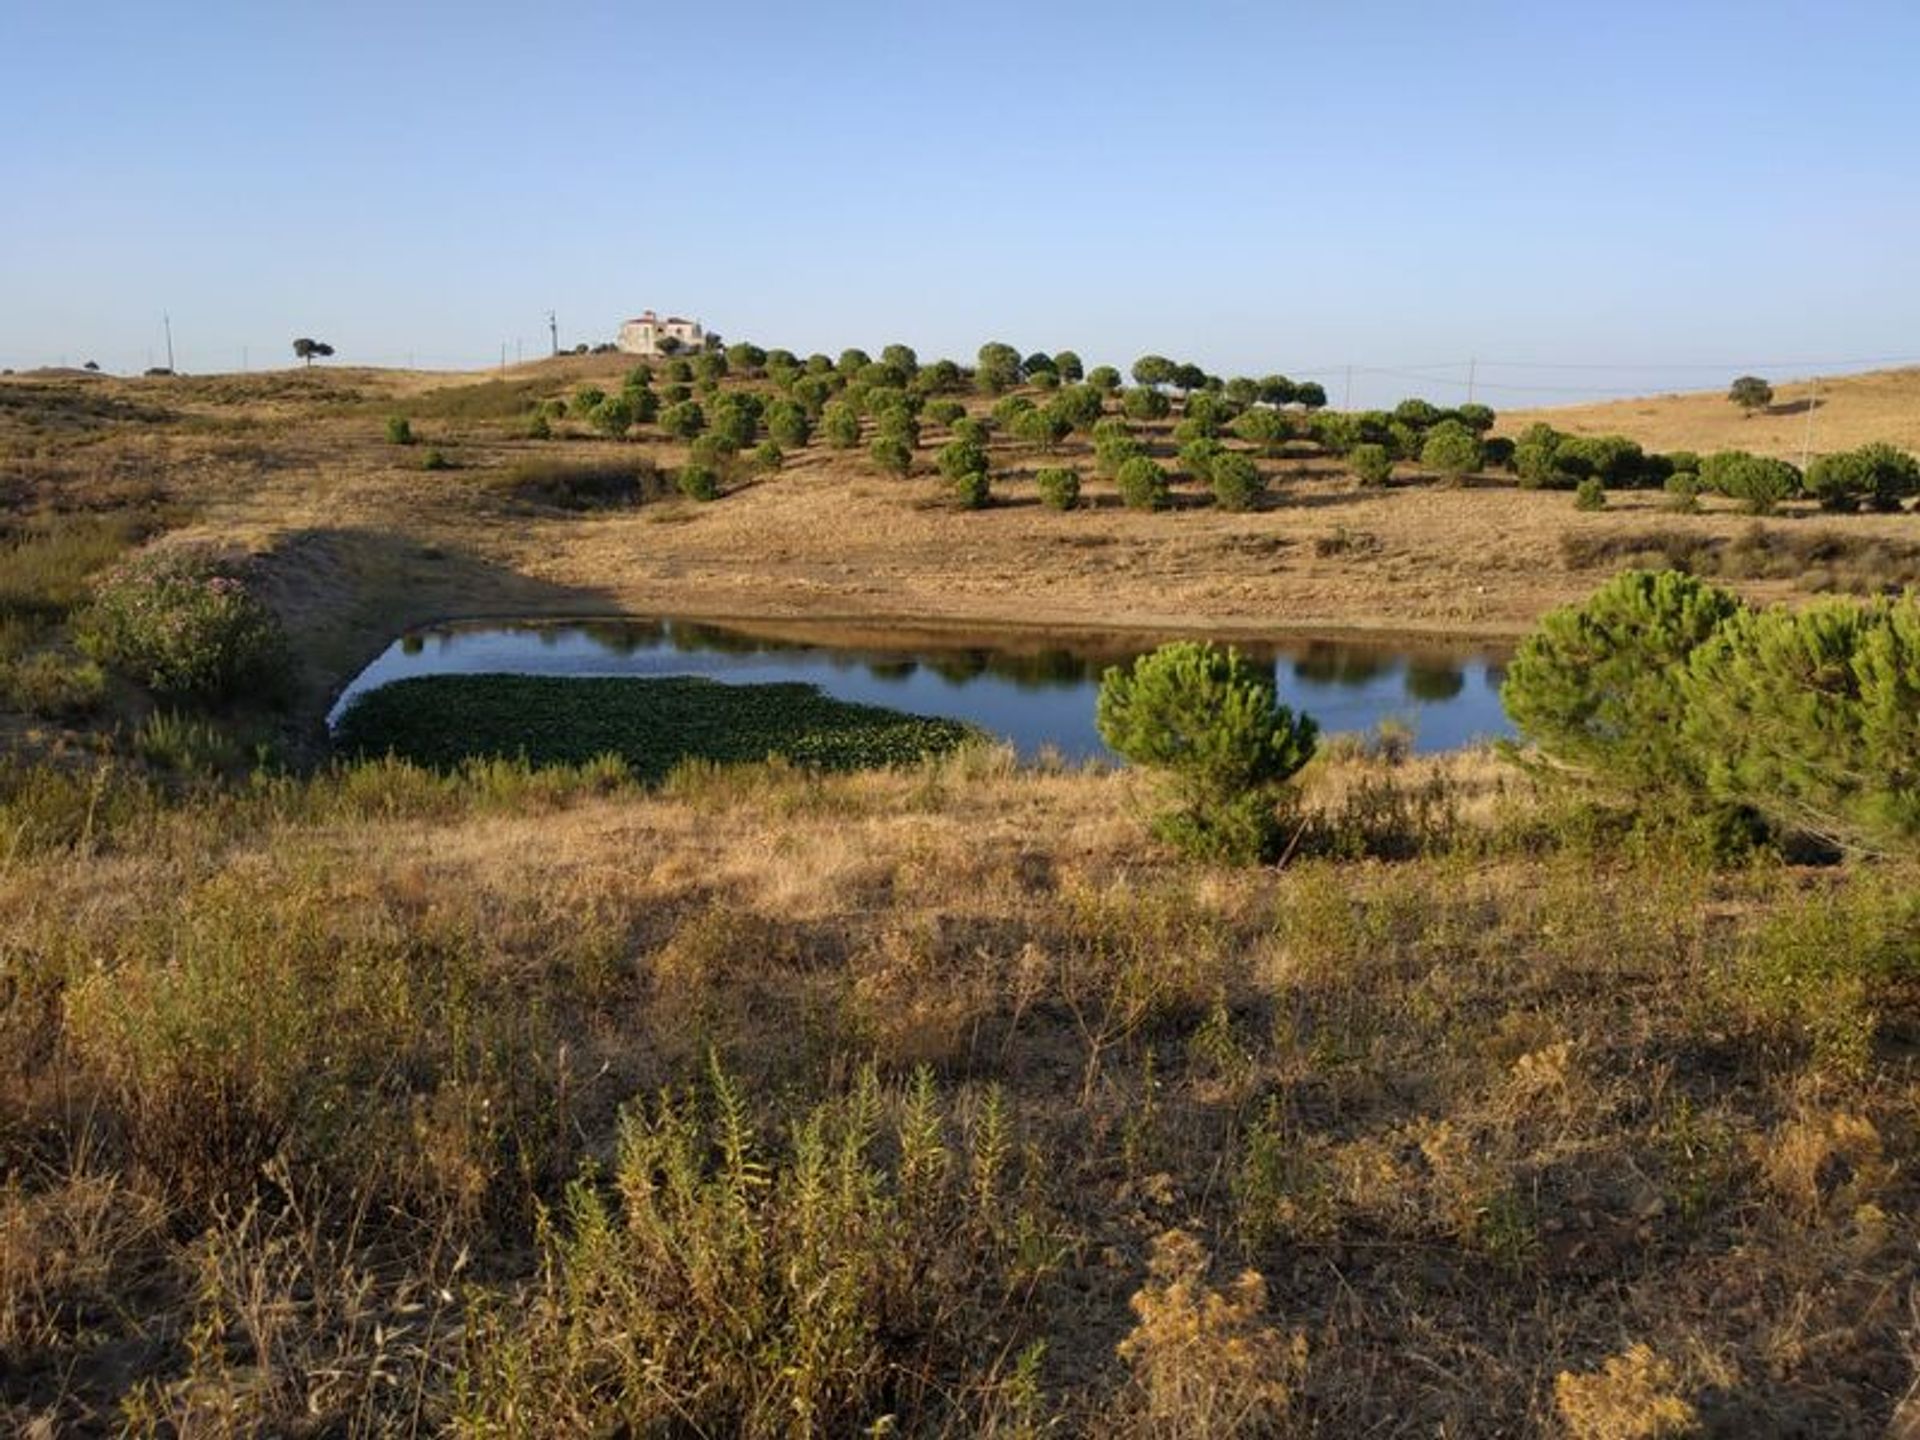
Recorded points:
(1846, 411)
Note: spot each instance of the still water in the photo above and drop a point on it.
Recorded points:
(1036, 691)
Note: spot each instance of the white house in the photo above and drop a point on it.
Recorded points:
(648, 334)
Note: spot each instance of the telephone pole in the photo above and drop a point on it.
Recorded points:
(1472, 365)
(1806, 440)
(166, 322)
(553, 329)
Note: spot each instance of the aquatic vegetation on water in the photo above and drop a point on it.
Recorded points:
(651, 723)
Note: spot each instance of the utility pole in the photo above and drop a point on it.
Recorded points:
(516, 349)
(1472, 365)
(503, 357)
(553, 329)
(167, 321)
(1806, 441)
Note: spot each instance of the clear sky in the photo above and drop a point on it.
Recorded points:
(1255, 187)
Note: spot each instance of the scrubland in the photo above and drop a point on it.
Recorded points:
(935, 1099)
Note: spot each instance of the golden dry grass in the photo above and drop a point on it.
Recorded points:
(1846, 411)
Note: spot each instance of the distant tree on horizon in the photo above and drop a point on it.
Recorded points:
(306, 348)
(1750, 393)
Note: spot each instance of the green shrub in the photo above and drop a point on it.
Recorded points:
(1059, 487)
(1598, 685)
(840, 425)
(892, 454)
(1237, 481)
(945, 412)
(613, 416)
(586, 398)
(960, 457)
(435, 459)
(1371, 464)
(788, 425)
(1143, 484)
(1590, 494)
(1812, 718)
(973, 490)
(1211, 720)
(1683, 492)
(185, 623)
(1877, 476)
(1453, 450)
(399, 430)
(1197, 455)
(699, 482)
(1759, 482)
(539, 427)
(683, 421)
(1145, 403)
(1265, 428)
(768, 457)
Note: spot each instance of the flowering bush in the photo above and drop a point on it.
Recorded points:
(184, 623)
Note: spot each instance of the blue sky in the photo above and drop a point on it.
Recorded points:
(1670, 189)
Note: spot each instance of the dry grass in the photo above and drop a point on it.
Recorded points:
(1851, 410)
(290, 1105)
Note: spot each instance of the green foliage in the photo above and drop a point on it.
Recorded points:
(1812, 718)
(1067, 363)
(1080, 406)
(1750, 393)
(1598, 686)
(972, 490)
(1113, 446)
(1267, 429)
(1237, 482)
(831, 1281)
(960, 457)
(585, 398)
(1452, 449)
(1143, 484)
(613, 416)
(1477, 418)
(1151, 370)
(652, 723)
(1683, 492)
(1145, 403)
(788, 425)
(52, 684)
(399, 430)
(1877, 476)
(768, 457)
(945, 412)
(1590, 494)
(185, 623)
(539, 427)
(1059, 487)
(736, 422)
(997, 367)
(1198, 454)
(840, 425)
(683, 421)
(699, 482)
(892, 454)
(435, 459)
(1371, 464)
(1104, 378)
(744, 358)
(1211, 720)
(1759, 482)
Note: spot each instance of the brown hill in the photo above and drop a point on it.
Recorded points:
(1807, 416)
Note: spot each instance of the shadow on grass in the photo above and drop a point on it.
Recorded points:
(345, 594)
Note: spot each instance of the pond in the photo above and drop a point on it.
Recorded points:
(1034, 689)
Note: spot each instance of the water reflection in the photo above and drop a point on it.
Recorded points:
(1035, 691)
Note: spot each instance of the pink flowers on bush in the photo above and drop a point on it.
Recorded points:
(184, 622)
